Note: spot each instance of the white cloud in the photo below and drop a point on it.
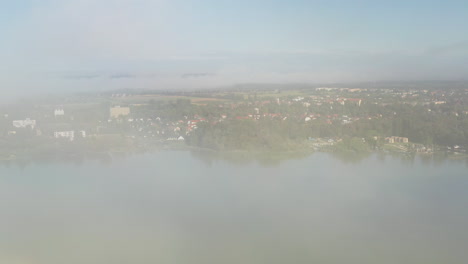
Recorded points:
(62, 33)
(57, 38)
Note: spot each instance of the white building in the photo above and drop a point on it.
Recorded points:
(59, 112)
(71, 135)
(65, 134)
(24, 123)
(82, 133)
(181, 138)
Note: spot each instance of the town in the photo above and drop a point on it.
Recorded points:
(420, 118)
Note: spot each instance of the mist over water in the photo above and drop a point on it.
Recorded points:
(175, 207)
(83, 81)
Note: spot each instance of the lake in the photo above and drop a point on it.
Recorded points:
(182, 207)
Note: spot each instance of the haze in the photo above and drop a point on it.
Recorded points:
(71, 45)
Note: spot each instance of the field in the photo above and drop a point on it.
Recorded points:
(144, 99)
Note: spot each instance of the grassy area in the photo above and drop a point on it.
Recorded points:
(271, 94)
(142, 99)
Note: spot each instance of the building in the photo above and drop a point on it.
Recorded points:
(392, 140)
(180, 138)
(71, 135)
(401, 139)
(24, 123)
(65, 134)
(82, 133)
(117, 111)
(59, 112)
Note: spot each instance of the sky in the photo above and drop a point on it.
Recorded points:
(90, 45)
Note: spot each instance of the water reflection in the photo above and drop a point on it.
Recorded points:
(181, 207)
(265, 159)
(272, 159)
(350, 156)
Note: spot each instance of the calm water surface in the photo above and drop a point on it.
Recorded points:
(175, 207)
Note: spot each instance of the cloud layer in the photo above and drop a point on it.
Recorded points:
(63, 45)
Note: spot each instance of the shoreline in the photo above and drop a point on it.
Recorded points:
(253, 154)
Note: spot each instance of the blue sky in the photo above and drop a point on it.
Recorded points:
(62, 45)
